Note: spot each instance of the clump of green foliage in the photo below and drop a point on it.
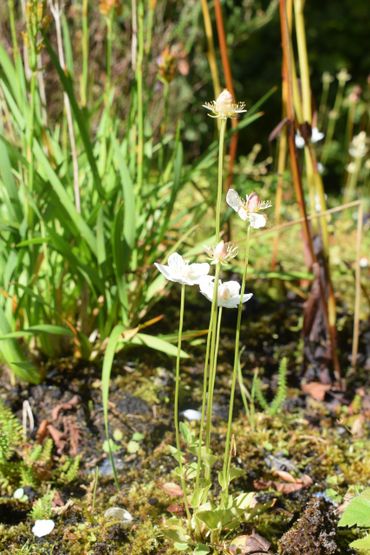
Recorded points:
(273, 408)
(357, 513)
(25, 464)
(42, 508)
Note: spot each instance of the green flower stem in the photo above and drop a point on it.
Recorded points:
(176, 404)
(352, 180)
(220, 175)
(204, 403)
(211, 387)
(227, 454)
(206, 375)
(333, 117)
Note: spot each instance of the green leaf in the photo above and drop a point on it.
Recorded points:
(218, 519)
(13, 355)
(357, 513)
(40, 328)
(78, 116)
(129, 226)
(105, 382)
(64, 198)
(157, 344)
(362, 545)
(181, 546)
(186, 433)
(201, 549)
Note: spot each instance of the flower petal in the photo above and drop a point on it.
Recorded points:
(176, 262)
(233, 287)
(257, 220)
(196, 271)
(43, 528)
(166, 271)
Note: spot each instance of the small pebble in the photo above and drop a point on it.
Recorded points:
(19, 493)
(42, 528)
(191, 414)
(120, 514)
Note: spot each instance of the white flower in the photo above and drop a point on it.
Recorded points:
(316, 136)
(343, 76)
(224, 106)
(222, 253)
(228, 293)
(248, 209)
(299, 140)
(43, 528)
(357, 147)
(180, 271)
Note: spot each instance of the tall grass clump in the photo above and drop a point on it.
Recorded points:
(87, 185)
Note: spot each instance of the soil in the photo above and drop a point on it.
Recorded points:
(301, 461)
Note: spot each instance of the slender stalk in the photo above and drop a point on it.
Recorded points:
(57, 14)
(13, 32)
(303, 59)
(352, 180)
(281, 165)
(204, 401)
(230, 86)
(211, 54)
(356, 316)
(84, 84)
(220, 176)
(333, 117)
(140, 100)
(109, 23)
(176, 403)
(211, 383)
(324, 101)
(149, 26)
(227, 453)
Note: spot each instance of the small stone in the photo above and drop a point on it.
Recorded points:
(42, 528)
(19, 493)
(119, 514)
(191, 414)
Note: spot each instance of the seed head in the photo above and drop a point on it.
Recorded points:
(358, 147)
(224, 106)
(222, 253)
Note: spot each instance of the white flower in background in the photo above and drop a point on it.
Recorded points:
(351, 167)
(320, 168)
(343, 76)
(180, 271)
(364, 262)
(357, 148)
(228, 293)
(249, 209)
(222, 253)
(43, 528)
(224, 106)
(316, 136)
